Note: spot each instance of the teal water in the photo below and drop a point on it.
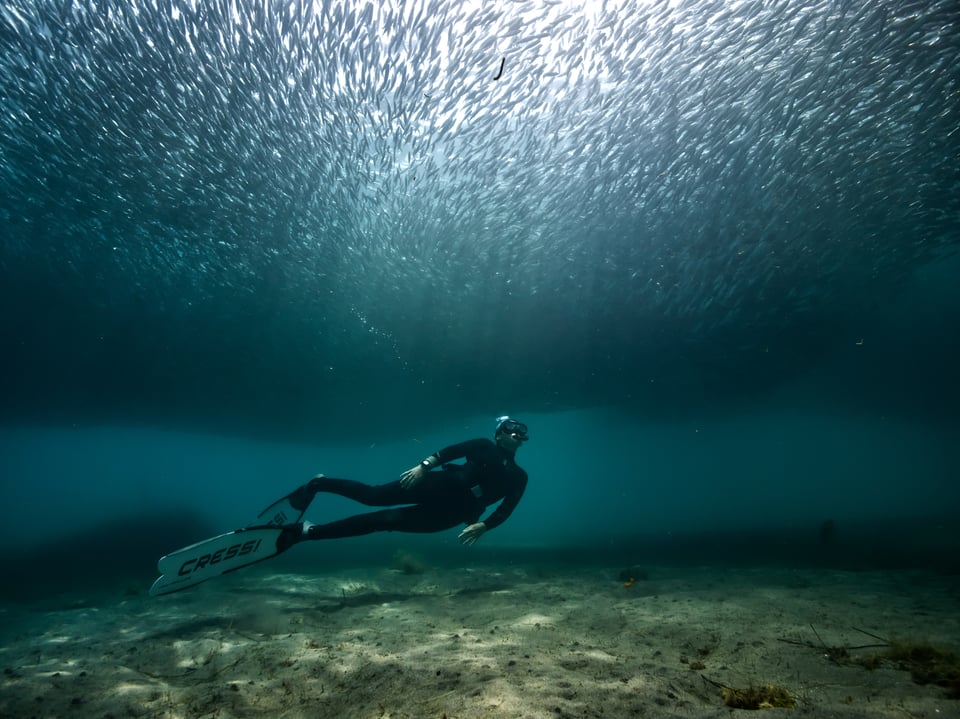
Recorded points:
(707, 251)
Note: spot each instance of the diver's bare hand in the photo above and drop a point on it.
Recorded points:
(411, 478)
(472, 533)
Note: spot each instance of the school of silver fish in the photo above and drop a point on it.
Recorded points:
(410, 193)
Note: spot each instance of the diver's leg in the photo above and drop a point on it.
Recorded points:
(436, 487)
(417, 518)
(380, 495)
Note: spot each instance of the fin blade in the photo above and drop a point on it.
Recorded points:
(289, 509)
(279, 513)
(219, 555)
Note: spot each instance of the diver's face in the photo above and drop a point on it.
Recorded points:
(510, 440)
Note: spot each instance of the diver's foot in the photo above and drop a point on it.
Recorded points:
(290, 534)
(312, 487)
(302, 496)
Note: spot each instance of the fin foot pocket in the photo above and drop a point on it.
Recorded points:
(301, 497)
(290, 535)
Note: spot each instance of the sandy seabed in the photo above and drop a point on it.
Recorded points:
(515, 641)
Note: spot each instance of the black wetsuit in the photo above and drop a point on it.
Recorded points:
(444, 498)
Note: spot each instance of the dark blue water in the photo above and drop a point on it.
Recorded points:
(707, 253)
